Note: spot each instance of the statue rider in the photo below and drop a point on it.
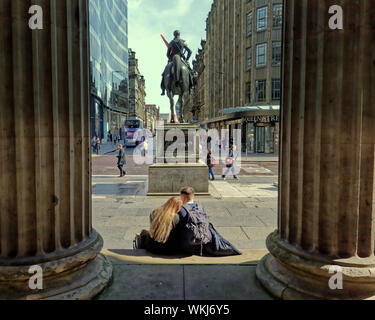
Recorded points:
(176, 51)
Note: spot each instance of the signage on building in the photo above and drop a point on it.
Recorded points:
(265, 119)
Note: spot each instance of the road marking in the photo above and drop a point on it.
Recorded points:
(255, 169)
(99, 197)
(226, 190)
(109, 176)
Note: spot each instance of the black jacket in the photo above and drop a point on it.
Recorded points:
(172, 246)
(121, 158)
(209, 160)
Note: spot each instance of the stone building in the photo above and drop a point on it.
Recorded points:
(195, 102)
(239, 66)
(137, 91)
(151, 117)
(165, 117)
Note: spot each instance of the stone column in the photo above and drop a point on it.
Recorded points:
(327, 164)
(45, 166)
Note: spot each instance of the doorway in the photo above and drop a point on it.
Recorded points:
(265, 138)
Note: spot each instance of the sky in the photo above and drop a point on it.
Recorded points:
(150, 18)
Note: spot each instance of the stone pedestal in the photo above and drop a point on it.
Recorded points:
(166, 178)
(189, 143)
(45, 166)
(169, 179)
(327, 164)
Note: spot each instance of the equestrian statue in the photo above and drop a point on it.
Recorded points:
(178, 78)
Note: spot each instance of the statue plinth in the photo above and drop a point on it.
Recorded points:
(177, 162)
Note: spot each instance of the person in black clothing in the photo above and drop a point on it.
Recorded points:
(210, 165)
(121, 159)
(168, 236)
(163, 237)
(216, 244)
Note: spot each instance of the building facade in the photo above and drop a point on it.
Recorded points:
(164, 117)
(137, 93)
(109, 82)
(194, 111)
(151, 117)
(239, 71)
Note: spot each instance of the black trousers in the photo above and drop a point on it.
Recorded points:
(122, 171)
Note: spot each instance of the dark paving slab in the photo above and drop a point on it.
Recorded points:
(145, 282)
(223, 283)
(243, 221)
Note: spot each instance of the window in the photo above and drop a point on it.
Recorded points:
(260, 90)
(276, 53)
(276, 89)
(248, 92)
(277, 15)
(261, 59)
(249, 58)
(249, 21)
(262, 15)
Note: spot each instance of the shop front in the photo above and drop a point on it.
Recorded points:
(263, 134)
(260, 128)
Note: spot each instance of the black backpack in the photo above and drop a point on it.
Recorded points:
(197, 229)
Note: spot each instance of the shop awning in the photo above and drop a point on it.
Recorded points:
(248, 108)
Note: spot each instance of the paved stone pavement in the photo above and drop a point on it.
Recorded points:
(244, 211)
(184, 282)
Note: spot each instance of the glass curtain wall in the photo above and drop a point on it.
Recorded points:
(109, 56)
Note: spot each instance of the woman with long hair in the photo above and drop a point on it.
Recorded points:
(163, 235)
(164, 219)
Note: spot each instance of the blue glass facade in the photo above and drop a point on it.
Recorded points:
(109, 64)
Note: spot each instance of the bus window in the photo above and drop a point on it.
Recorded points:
(132, 124)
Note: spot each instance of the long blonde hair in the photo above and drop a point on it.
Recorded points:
(161, 225)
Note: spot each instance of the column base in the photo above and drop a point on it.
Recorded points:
(81, 276)
(294, 274)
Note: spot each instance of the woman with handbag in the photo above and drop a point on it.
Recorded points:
(231, 162)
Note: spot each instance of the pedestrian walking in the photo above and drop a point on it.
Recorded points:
(211, 163)
(97, 145)
(121, 159)
(145, 147)
(231, 162)
(93, 144)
